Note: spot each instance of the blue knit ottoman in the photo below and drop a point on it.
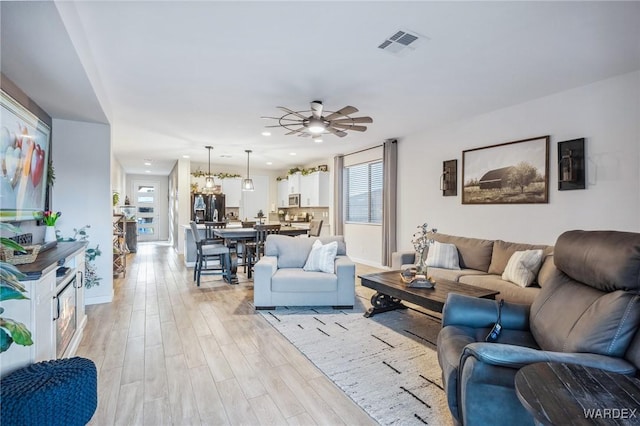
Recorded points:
(58, 392)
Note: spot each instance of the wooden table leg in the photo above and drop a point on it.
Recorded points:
(383, 303)
(232, 276)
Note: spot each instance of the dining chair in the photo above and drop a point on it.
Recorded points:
(211, 258)
(209, 234)
(254, 249)
(314, 227)
(240, 245)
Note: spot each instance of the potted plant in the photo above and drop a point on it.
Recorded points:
(11, 289)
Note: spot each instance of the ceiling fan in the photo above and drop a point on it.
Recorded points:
(315, 125)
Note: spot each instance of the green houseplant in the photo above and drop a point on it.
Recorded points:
(11, 289)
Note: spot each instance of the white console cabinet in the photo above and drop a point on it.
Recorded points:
(54, 312)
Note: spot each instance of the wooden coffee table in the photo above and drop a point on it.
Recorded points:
(391, 291)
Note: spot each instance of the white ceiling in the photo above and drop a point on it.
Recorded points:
(171, 77)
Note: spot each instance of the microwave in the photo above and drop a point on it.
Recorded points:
(294, 200)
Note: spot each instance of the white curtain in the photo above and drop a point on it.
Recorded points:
(389, 199)
(338, 198)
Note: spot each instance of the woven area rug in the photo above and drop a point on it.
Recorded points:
(386, 364)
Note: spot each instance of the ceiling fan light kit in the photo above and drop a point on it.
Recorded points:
(315, 125)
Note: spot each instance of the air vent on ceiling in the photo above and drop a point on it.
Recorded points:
(401, 41)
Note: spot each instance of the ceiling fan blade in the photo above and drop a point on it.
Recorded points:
(342, 112)
(336, 132)
(296, 113)
(349, 127)
(316, 109)
(294, 131)
(281, 118)
(353, 120)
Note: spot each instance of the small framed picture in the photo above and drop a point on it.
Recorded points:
(323, 168)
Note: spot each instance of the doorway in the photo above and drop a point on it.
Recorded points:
(148, 197)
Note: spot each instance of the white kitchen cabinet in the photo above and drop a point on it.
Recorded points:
(232, 189)
(54, 312)
(283, 193)
(314, 190)
(294, 183)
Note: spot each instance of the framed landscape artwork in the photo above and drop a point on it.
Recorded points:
(508, 173)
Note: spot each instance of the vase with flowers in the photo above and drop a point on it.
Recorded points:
(421, 241)
(49, 218)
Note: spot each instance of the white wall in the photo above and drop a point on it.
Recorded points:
(179, 203)
(82, 192)
(606, 113)
(118, 179)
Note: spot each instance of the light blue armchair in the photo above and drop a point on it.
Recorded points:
(279, 279)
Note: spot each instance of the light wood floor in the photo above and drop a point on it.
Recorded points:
(168, 352)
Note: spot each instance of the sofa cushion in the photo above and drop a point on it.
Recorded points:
(473, 253)
(443, 255)
(523, 267)
(297, 280)
(322, 257)
(568, 316)
(605, 260)
(293, 252)
(503, 250)
(508, 290)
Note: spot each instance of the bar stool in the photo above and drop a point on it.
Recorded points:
(206, 252)
(314, 227)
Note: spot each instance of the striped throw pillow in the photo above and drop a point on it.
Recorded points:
(443, 255)
(322, 257)
(523, 267)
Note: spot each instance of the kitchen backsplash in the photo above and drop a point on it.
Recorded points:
(302, 213)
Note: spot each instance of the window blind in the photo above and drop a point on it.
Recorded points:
(363, 193)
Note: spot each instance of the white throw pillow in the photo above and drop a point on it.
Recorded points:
(523, 267)
(322, 257)
(443, 255)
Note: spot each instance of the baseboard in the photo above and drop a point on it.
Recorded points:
(98, 300)
(369, 263)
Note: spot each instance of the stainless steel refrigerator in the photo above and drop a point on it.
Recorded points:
(207, 207)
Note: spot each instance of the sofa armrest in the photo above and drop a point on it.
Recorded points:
(516, 357)
(263, 271)
(399, 258)
(346, 275)
(482, 313)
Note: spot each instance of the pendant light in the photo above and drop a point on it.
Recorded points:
(247, 183)
(209, 183)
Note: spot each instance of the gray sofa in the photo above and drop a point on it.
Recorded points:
(586, 313)
(279, 279)
(482, 263)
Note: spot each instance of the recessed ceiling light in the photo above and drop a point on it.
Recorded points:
(225, 155)
(147, 163)
(269, 163)
(186, 156)
(266, 133)
(317, 140)
(147, 171)
(292, 153)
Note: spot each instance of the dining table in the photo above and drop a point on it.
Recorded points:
(233, 236)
